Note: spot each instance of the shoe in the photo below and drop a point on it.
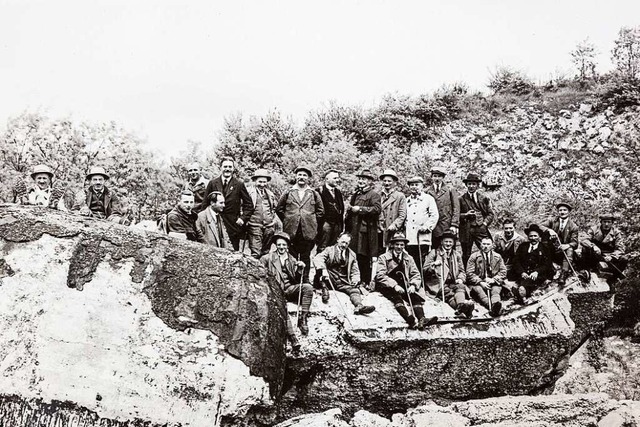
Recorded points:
(295, 349)
(325, 295)
(302, 324)
(466, 308)
(517, 297)
(496, 309)
(424, 322)
(411, 321)
(364, 309)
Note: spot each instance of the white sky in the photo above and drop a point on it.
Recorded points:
(171, 70)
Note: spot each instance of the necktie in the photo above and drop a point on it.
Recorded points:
(220, 233)
(224, 184)
(562, 225)
(485, 261)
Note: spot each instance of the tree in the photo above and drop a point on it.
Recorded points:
(626, 52)
(583, 57)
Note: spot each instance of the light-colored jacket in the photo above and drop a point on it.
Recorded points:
(207, 228)
(394, 212)
(612, 243)
(422, 212)
(476, 268)
(434, 274)
(296, 212)
(329, 259)
(386, 264)
(253, 192)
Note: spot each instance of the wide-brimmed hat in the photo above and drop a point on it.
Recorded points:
(261, 173)
(472, 177)
(448, 233)
(564, 203)
(389, 172)
(366, 173)
(415, 179)
(303, 169)
(41, 169)
(533, 227)
(608, 215)
(439, 170)
(398, 237)
(280, 235)
(97, 170)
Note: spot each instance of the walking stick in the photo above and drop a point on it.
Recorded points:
(442, 286)
(420, 259)
(299, 294)
(489, 297)
(573, 269)
(344, 311)
(611, 264)
(406, 289)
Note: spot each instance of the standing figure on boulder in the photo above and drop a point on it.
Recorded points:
(288, 273)
(300, 209)
(362, 224)
(98, 201)
(476, 215)
(422, 217)
(563, 235)
(448, 204)
(210, 225)
(603, 249)
(197, 184)
(445, 276)
(485, 275)
(394, 208)
(238, 206)
(333, 203)
(506, 244)
(42, 192)
(338, 268)
(181, 220)
(263, 221)
(533, 264)
(398, 279)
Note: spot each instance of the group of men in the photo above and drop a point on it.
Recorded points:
(402, 245)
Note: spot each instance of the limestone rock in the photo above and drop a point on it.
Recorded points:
(330, 418)
(435, 415)
(367, 419)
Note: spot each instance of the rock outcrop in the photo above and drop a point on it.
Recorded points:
(103, 325)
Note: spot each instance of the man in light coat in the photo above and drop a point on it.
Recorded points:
(485, 275)
(394, 208)
(603, 248)
(422, 217)
(263, 221)
(210, 225)
(448, 204)
(563, 236)
(43, 192)
(476, 215)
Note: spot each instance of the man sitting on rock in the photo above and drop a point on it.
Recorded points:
(181, 220)
(98, 201)
(398, 279)
(506, 244)
(338, 268)
(444, 273)
(563, 235)
(485, 274)
(603, 249)
(42, 192)
(288, 273)
(533, 264)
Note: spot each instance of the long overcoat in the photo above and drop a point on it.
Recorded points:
(237, 203)
(394, 212)
(448, 205)
(484, 215)
(363, 225)
(421, 212)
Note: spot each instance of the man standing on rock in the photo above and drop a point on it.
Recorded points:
(210, 225)
(98, 201)
(476, 215)
(445, 276)
(197, 184)
(288, 273)
(448, 205)
(263, 220)
(603, 248)
(422, 217)
(362, 224)
(398, 279)
(238, 206)
(506, 244)
(333, 203)
(563, 235)
(394, 208)
(533, 264)
(301, 210)
(485, 275)
(181, 220)
(337, 266)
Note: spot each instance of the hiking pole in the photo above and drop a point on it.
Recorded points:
(344, 311)
(420, 259)
(611, 264)
(299, 294)
(573, 269)
(442, 286)
(489, 297)
(406, 289)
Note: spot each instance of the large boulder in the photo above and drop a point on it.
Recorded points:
(106, 325)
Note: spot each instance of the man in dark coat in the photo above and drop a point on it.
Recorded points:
(333, 203)
(533, 264)
(99, 201)
(394, 208)
(197, 184)
(603, 248)
(362, 220)
(563, 236)
(181, 220)
(506, 244)
(238, 205)
(448, 205)
(476, 215)
(301, 210)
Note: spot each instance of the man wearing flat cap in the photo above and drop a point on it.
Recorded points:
(422, 217)
(333, 202)
(533, 264)
(448, 204)
(476, 215)
(562, 233)
(603, 249)
(362, 223)
(263, 221)
(301, 210)
(394, 208)
(98, 201)
(197, 184)
(43, 192)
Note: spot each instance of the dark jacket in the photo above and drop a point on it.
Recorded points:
(329, 259)
(363, 225)
(199, 193)
(286, 277)
(111, 202)
(484, 214)
(237, 203)
(179, 221)
(306, 213)
(611, 243)
(540, 260)
(333, 207)
(448, 208)
(568, 236)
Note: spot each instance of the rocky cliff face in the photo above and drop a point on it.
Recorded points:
(105, 325)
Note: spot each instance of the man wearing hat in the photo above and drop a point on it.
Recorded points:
(333, 202)
(422, 217)
(42, 192)
(288, 273)
(603, 249)
(394, 208)
(197, 184)
(445, 276)
(448, 204)
(210, 225)
(398, 279)
(263, 220)
(533, 264)
(301, 210)
(476, 215)
(98, 200)
(238, 207)
(563, 235)
(362, 223)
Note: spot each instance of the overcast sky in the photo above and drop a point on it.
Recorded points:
(171, 70)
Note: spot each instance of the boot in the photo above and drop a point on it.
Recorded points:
(406, 316)
(295, 345)
(325, 295)
(424, 322)
(496, 309)
(466, 308)
(364, 309)
(517, 294)
(302, 324)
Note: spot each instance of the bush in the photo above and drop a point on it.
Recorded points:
(620, 93)
(507, 81)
